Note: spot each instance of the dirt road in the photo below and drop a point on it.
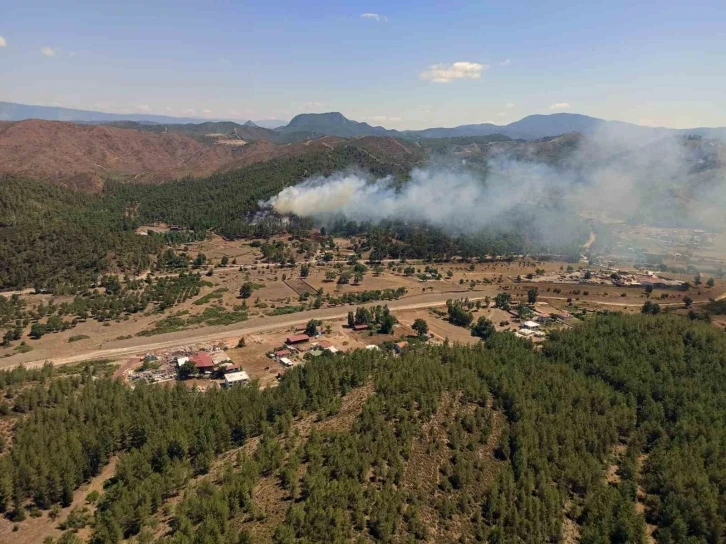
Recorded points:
(124, 348)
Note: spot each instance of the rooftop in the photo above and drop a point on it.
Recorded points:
(202, 360)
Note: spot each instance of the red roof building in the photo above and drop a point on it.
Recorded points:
(282, 353)
(324, 344)
(361, 327)
(202, 360)
(297, 339)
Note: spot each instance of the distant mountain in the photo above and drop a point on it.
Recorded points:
(333, 124)
(314, 125)
(20, 112)
(531, 127)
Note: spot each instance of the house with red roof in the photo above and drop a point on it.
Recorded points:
(202, 361)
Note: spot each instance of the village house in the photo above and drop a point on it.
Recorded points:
(203, 362)
(236, 378)
(531, 325)
(297, 339)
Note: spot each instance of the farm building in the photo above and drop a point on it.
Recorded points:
(285, 361)
(203, 361)
(282, 353)
(361, 327)
(297, 339)
(531, 325)
(234, 378)
(181, 361)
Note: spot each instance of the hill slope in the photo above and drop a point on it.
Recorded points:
(82, 156)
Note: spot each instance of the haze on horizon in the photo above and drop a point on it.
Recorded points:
(387, 64)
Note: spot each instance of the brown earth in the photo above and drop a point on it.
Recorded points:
(84, 156)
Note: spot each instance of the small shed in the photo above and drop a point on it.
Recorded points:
(324, 344)
(234, 378)
(285, 361)
(361, 327)
(282, 353)
(181, 361)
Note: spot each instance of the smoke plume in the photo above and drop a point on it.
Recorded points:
(642, 179)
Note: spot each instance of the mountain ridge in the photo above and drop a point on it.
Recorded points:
(11, 111)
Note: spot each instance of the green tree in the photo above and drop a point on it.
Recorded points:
(37, 330)
(311, 329)
(483, 328)
(503, 300)
(420, 327)
(246, 290)
(532, 295)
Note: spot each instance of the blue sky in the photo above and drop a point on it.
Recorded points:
(403, 65)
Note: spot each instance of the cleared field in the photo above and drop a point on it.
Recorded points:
(300, 286)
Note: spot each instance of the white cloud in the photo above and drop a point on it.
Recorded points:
(72, 54)
(502, 113)
(505, 62)
(190, 111)
(444, 73)
(48, 51)
(560, 106)
(143, 108)
(375, 17)
(3, 43)
(207, 111)
(509, 105)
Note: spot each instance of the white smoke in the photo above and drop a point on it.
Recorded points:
(455, 200)
(623, 174)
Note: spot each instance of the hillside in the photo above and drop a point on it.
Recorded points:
(613, 432)
(209, 130)
(82, 156)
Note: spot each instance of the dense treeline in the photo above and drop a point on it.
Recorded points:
(52, 238)
(55, 239)
(674, 371)
(653, 384)
(227, 202)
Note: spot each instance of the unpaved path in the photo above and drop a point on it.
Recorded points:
(124, 348)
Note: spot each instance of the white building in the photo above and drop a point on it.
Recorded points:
(181, 361)
(531, 325)
(285, 361)
(233, 378)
